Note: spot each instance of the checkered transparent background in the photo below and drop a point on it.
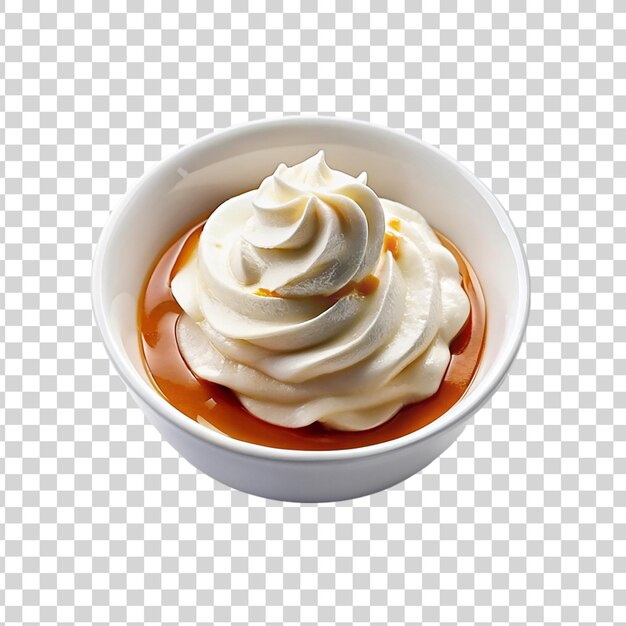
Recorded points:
(522, 521)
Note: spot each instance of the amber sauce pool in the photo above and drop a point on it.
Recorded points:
(202, 400)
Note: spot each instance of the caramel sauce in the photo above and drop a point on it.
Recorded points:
(391, 244)
(394, 223)
(367, 286)
(215, 405)
(267, 293)
(364, 287)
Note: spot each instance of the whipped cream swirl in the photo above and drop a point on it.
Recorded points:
(314, 300)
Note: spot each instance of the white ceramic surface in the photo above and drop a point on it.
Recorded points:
(182, 189)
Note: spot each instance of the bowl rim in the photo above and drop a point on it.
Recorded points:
(470, 403)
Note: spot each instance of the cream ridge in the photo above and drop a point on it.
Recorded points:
(315, 300)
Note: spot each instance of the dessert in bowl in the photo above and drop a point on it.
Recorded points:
(320, 339)
(322, 307)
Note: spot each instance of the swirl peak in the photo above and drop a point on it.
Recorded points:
(311, 231)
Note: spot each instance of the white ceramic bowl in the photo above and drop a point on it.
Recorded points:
(179, 191)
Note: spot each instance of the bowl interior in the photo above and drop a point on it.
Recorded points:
(197, 179)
